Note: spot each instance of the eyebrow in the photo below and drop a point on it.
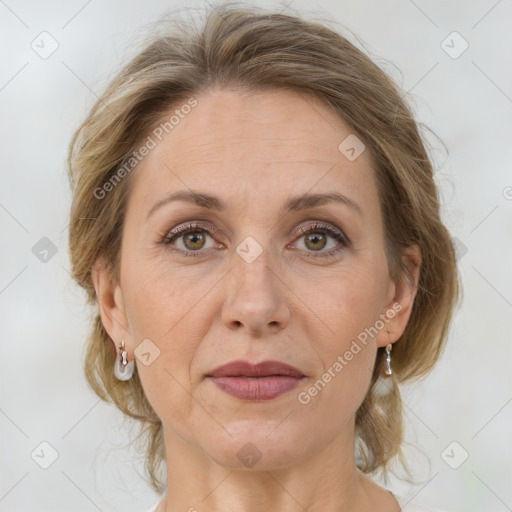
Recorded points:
(296, 203)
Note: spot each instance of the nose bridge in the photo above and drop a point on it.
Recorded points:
(255, 297)
(253, 269)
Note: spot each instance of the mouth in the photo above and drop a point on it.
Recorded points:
(263, 369)
(256, 382)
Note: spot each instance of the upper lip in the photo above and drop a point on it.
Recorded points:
(263, 369)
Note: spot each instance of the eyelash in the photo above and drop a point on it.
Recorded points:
(316, 228)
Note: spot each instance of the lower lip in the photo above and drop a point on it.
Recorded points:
(255, 389)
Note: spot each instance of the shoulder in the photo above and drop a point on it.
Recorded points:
(409, 506)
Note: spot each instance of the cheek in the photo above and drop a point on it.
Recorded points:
(160, 296)
(342, 328)
(344, 304)
(346, 352)
(165, 308)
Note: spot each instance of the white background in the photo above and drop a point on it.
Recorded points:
(467, 101)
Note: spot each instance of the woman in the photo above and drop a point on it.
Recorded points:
(256, 223)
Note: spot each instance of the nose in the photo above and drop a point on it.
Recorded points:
(256, 299)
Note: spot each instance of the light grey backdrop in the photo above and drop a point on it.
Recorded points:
(460, 416)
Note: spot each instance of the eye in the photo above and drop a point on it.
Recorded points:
(192, 236)
(316, 239)
(193, 239)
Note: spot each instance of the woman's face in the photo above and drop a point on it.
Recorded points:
(263, 273)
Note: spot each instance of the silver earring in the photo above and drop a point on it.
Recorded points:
(123, 370)
(388, 370)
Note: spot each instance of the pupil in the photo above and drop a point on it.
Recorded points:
(194, 238)
(315, 239)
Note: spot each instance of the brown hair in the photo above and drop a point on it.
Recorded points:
(254, 49)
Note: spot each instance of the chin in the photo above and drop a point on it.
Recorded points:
(260, 449)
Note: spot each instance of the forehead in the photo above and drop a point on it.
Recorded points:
(247, 142)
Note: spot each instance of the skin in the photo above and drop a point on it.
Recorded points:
(255, 150)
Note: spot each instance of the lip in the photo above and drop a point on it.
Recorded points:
(263, 369)
(255, 382)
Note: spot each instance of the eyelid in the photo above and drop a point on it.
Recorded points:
(321, 225)
(189, 227)
(331, 231)
(212, 229)
(317, 225)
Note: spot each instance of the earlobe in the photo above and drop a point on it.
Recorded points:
(110, 300)
(398, 311)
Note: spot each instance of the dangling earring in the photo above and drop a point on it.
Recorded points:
(388, 370)
(123, 369)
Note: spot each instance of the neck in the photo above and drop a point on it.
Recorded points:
(325, 479)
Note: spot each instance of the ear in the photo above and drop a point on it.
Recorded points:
(400, 298)
(111, 303)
